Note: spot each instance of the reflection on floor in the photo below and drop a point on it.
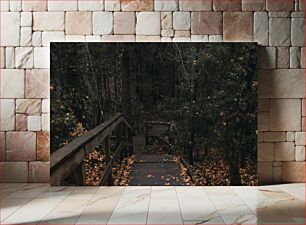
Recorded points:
(41, 204)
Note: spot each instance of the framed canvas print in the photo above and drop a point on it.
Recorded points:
(153, 114)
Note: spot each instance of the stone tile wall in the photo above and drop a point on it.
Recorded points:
(28, 26)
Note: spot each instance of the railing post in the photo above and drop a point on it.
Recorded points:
(78, 174)
(120, 134)
(108, 158)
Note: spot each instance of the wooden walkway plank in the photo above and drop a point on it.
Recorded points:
(155, 170)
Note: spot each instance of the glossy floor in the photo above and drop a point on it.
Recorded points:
(42, 204)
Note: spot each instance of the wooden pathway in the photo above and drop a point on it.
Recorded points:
(156, 170)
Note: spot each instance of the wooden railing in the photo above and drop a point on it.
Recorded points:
(114, 134)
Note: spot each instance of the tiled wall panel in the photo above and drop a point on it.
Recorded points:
(28, 27)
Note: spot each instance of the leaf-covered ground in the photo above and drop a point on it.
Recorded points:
(216, 173)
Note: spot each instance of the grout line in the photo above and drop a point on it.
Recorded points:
(116, 205)
(178, 201)
(149, 204)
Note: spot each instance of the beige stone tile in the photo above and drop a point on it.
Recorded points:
(37, 39)
(170, 5)
(300, 138)
(4, 5)
(284, 151)
(91, 5)
(52, 36)
(261, 28)
(265, 152)
(181, 39)
(34, 123)
(166, 20)
(45, 122)
(167, 33)
(267, 58)
(227, 5)
(34, 5)
(285, 115)
(26, 19)
(290, 136)
(293, 172)
(62, 5)
(12, 83)
(279, 32)
(9, 57)
(263, 105)
(78, 23)
(10, 28)
(102, 23)
(118, 38)
(112, 5)
(21, 146)
(260, 136)
(181, 20)
(37, 83)
(48, 21)
(206, 23)
(166, 39)
(46, 105)
(25, 36)
(264, 172)
(21, 122)
(253, 5)
(283, 57)
(182, 33)
(43, 146)
(7, 114)
(39, 172)
(263, 121)
(275, 136)
(75, 38)
(276, 5)
(14, 171)
(204, 5)
(300, 153)
(277, 174)
(93, 38)
(297, 32)
(2, 146)
(295, 57)
(199, 38)
(142, 38)
(281, 83)
(124, 22)
(28, 106)
(137, 5)
(24, 57)
(238, 26)
(215, 38)
(142, 27)
(2, 57)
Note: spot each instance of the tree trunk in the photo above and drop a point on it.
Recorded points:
(126, 98)
(235, 178)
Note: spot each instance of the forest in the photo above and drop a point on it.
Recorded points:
(203, 96)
